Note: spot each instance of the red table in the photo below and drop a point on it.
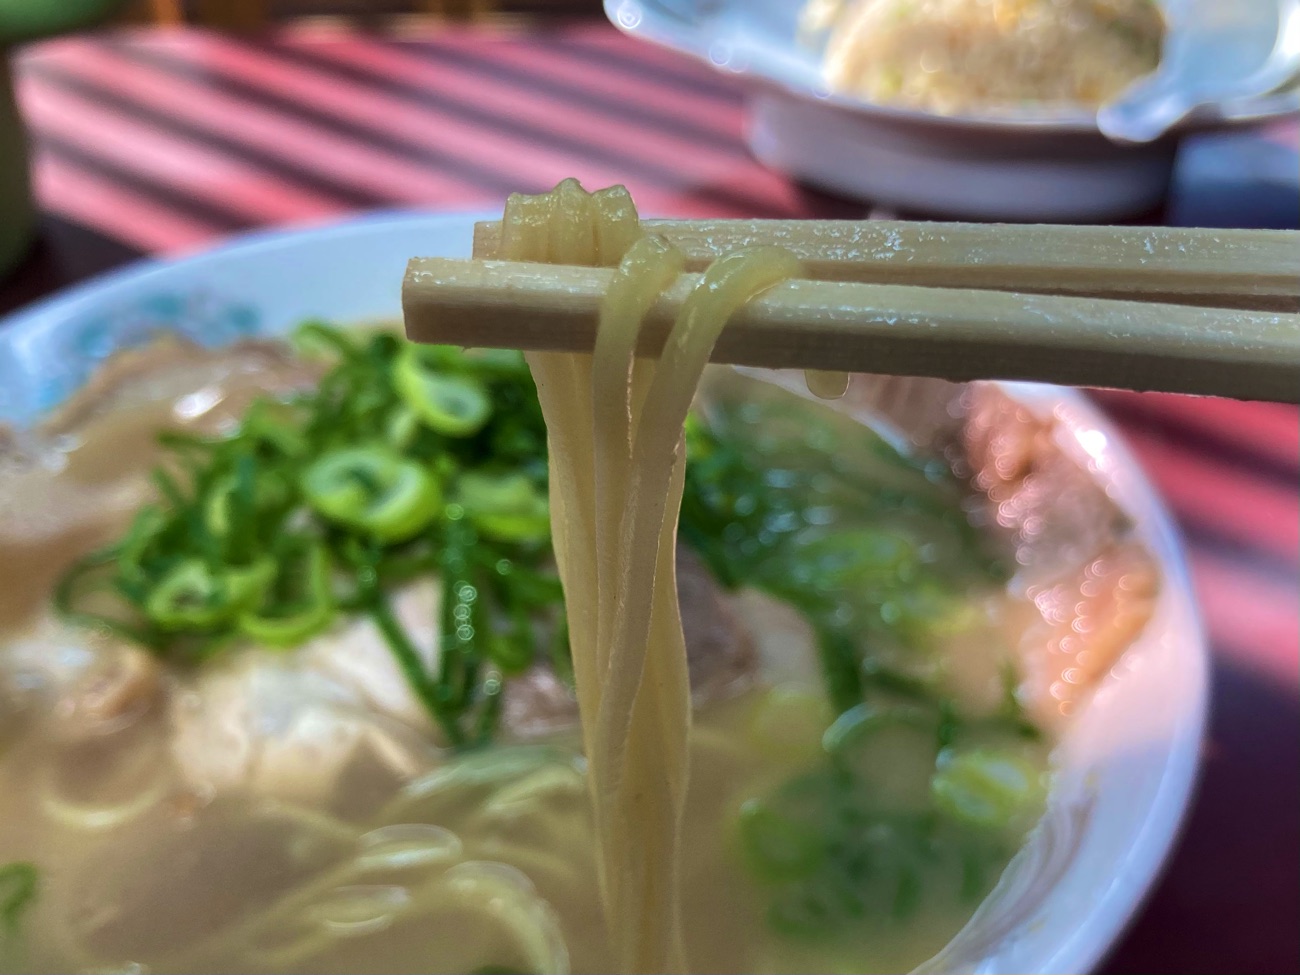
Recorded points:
(164, 142)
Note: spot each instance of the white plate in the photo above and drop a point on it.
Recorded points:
(1127, 764)
(1048, 164)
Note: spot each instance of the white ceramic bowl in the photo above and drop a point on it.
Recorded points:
(1127, 764)
(1045, 164)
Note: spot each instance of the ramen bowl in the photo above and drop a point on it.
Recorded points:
(1125, 766)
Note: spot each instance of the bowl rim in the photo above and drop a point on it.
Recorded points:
(1106, 917)
(1100, 929)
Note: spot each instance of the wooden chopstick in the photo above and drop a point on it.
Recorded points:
(952, 333)
(1258, 269)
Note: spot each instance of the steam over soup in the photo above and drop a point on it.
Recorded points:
(286, 682)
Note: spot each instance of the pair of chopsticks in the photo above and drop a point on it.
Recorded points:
(1180, 310)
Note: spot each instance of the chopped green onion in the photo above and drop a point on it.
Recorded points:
(315, 336)
(852, 728)
(507, 507)
(985, 788)
(18, 887)
(505, 363)
(777, 847)
(375, 490)
(303, 621)
(815, 907)
(453, 405)
(907, 895)
(194, 596)
(861, 556)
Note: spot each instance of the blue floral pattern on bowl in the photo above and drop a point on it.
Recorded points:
(57, 362)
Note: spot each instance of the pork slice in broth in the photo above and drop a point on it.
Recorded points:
(1086, 588)
(193, 381)
(296, 725)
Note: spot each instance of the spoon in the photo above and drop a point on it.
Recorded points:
(1216, 51)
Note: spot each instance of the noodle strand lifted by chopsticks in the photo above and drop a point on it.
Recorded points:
(617, 466)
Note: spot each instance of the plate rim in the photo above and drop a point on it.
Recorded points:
(1062, 121)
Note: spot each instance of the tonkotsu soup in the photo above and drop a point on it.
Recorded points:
(291, 691)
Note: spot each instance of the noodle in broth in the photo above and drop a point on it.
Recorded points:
(617, 468)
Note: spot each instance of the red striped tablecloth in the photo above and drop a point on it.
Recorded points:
(165, 142)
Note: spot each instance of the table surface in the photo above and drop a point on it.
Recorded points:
(162, 143)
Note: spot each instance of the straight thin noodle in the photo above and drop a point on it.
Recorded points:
(728, 283)
(649, 267)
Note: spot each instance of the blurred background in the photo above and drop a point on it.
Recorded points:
(157, 127)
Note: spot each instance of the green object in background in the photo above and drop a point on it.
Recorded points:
(27, 20)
